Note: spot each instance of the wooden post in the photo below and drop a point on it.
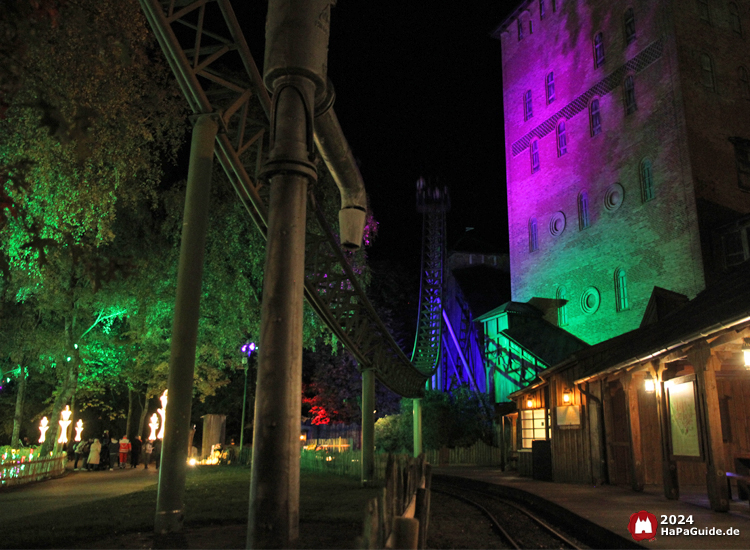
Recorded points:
(706, 365)
(607, 405)
(631, 384)
(668, 466)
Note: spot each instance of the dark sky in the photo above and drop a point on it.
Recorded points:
(419, 92)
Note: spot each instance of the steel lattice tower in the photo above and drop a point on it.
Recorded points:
(433, 202)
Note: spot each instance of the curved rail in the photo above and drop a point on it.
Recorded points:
(433, 202)
(556, 534)
(199, 57)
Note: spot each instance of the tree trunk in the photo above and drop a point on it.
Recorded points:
(67, 389)
(130, 413)
(18, 417)
(142, 425)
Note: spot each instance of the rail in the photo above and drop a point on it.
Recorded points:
(200, 58)
(19, 471)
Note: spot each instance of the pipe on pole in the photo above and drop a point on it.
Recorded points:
(170, 496)
(368, 427)
(295, 72)
(417, 412)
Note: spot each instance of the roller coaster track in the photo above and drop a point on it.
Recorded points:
(433, 202)
(205, 48)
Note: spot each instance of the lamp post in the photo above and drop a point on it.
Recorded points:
(248, 349)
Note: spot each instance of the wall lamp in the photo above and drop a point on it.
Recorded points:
(530, 403)
(566, 397)
(746, 352)
(648, 384)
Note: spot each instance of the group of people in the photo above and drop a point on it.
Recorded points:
(105, 453)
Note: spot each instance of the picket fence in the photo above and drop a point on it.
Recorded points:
(17, 472)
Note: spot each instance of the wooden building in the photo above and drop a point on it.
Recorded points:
(667, 403)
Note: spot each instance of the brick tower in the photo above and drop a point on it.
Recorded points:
(627, 145)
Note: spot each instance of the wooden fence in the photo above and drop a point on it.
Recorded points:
(16, 472)
(479, 454)
(399, 516)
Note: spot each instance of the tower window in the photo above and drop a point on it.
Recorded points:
(550, 85)
(541, 9)
(562, 143)
(534, 156)
(598, 50)
(703, 11)
(630, 104)
(528, 112)
(647, 181)
(520, 30)
(562, 308)
(742, 156)
(744, 83)
(583, 210)
(629, 26)
(531, 26)
(734, 18)
(556, 4)
(621, 290)
(533, 240)
(707, 71)
(596, 118)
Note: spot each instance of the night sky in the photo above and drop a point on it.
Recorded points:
(419, 92)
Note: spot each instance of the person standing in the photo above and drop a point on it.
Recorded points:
(94, 455)
(135, 452)
(148, 448)
(104, 458)
(157, 452)
(114, 454)
(124, 448)
(79, 454)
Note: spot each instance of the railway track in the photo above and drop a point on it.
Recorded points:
(516, 525)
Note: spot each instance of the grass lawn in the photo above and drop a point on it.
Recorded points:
(331, 513)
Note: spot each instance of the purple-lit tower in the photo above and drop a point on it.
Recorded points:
(627, 145)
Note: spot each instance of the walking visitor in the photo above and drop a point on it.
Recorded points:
(124, 448)
(96, 448)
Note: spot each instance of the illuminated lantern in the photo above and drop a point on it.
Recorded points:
(162, 412)
(43, 427)
(746, 352)
(79, 429)
(64, 423)
(154, 425)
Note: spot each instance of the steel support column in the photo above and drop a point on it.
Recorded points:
(368, 427)
(169, 500)
(295, 72)
(417, 427)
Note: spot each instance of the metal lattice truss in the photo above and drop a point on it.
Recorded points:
(205, 62)
(514, 368)
(427, 342)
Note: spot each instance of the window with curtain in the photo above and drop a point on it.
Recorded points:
(541, 9)
(583, 210)
(562, 308)
(598, 50)
(550, 85)
(528, 112)
(707, 71)
(534, 156)
(629, 26)
(520, 30)
(533, 236)
(562, 140)
(647, 181)
(596, 117)
(621, 290)
(630, 104)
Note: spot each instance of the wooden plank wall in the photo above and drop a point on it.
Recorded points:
(524, 464)
(734, 389)
(650, 434)
(571, 460)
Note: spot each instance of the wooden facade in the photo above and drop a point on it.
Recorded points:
(676, 414)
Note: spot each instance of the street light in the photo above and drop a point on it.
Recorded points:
(248, 349)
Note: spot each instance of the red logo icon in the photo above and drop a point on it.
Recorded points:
(642, 525)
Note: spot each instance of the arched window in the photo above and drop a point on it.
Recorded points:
(583, 210)
(703, 11)
(734, 18)
(629, 26)
(550, 85)
(541, 9)
(520, 29)
(630, 104)
(533, 238)
(595, 117)
(647, 180)
(534, 156)
(562, 308)
(562, 142)
(744, 83)
(707, 71)
(621, 290)
(598, 50)
(528, 111)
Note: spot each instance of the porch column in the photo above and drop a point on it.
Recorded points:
(368, 427)
(668, 466)
(706, 365)
(630, 384)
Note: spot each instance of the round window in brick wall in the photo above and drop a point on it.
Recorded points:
(557, 224)
(590, 300)
(613, 197)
